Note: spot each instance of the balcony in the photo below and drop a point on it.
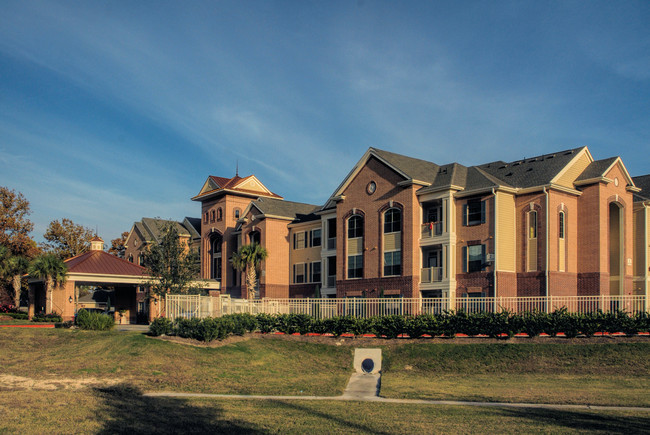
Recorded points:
(431, 229)
(431, 274)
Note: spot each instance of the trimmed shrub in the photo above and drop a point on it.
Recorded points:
(265, 323)
(161, 326)
(389, 326)
(244, 322)
(17, 316)
(94, 321)
(53, 317)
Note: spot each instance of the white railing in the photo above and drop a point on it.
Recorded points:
(431, 274)
(205, 306)
(431, 229)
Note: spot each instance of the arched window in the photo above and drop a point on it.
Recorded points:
(355, 247)
(219, 214)
(392, 242)
(237, 213)
(216, 258)
(561, 243)
(255, 237)
(532, 241)
(355, 227)
(211, 216)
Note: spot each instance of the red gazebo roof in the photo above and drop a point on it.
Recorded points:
(103, 263)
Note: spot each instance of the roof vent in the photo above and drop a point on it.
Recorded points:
(568, 152)
(550, 157)
(516, 164)
(509, 174)
(529, 169)
(503, 167)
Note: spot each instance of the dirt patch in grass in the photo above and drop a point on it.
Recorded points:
(11, 382)
(373, 341)
(215, 343)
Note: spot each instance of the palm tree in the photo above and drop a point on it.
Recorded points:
(53, 270)
(16, 268)
(249, 257)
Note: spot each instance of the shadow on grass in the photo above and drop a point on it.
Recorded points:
(125, 410)
(343, 423)
(602, 421)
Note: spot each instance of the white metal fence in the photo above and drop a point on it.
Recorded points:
(190, 306)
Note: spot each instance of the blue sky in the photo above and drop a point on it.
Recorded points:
(115, 110)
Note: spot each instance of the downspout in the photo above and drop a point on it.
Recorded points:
(645, 254)
(494, 266)
(546, 212)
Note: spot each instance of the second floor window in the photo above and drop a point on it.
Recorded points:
(474, 212)
(392, 221)
(355, 227)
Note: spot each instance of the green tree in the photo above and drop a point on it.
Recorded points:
(171, 265)
(12, 268)
(249, 258)
(51, 269)
(15, 225)
(67, 239)
(118, 246)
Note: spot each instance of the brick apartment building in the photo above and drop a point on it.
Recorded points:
(558, 224)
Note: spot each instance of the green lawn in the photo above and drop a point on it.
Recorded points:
(124, 410)
(608, 374)
(597, 374)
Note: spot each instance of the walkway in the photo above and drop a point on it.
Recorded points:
(409, 401)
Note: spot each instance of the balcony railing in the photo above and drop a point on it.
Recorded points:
(431, 229)
(431, 274)
(331, 243)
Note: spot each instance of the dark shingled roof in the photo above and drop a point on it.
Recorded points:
(194, 226)
(596, 169)
(416, 169)
(154, 228)
(530, 172)
(297, 211)
(533, 171)
(643, 183)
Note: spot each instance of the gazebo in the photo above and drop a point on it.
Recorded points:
(99, 269)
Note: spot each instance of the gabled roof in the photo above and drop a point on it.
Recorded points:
(409, 167)
(193, 225)
(294, 211)
(642, 182)
(533, 171)
(151, 228)
(596, 169)
(155, 228)
(103, 263)
(247, 186)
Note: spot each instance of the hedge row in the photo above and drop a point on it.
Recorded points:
(448, 324)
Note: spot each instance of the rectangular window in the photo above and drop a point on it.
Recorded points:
(393, 263)
(355, 266)
(474, 212)
(561, 230)
(331, 228)
(314, 272)
(473, 258)
(299, 273)
(314, 237)
(205, 217)
(299, 240)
